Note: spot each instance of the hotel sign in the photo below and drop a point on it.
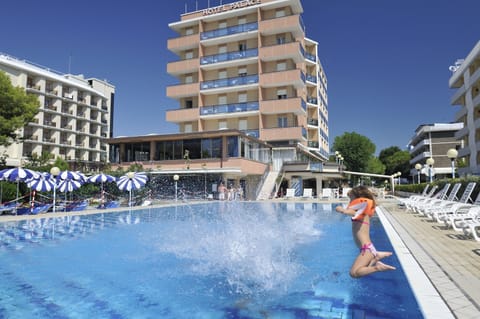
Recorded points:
(231, 6)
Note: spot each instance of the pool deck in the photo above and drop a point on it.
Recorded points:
(450, 260)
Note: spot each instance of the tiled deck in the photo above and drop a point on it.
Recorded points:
(450, 259)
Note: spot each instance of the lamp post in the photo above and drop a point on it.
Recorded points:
(175, 178)
(418, 167)
(452, 155)
(398, 175)
(55, 171)
(430, 162)
(130, 176)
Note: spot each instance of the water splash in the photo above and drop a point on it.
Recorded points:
(253, 248)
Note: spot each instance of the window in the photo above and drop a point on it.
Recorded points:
(282, 121)
(222, 49)
(242, 97)
(188, 104)
(281, 39)
(188, 79)
(279, 13)
(242, 125)
(242, 46)
(282, 94)
(242, 71)
(189, 31)
(188, 55)
(242, 20)
(281, 66)
(222, 24)
(188, 128)
(222, 99)
(222, 74)
(222, 125)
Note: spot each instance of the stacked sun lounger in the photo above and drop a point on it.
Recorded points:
(414, 206)
(437, 203)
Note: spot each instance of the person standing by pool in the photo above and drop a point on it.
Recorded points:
(361, 208)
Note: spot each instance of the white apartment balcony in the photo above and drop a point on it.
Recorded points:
(285, 51)
(183, 66)
(421, 144)
(461, 133)
(422, 157)
(284, 24)
(229, 110)
(292, 105)
(182, 115)
(459, 97)
(293, 77)
(460, 114)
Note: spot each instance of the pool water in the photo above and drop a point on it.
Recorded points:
(206, 261)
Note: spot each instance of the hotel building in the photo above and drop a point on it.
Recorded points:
(433, 141)
(466, 81)
(74, 118)
(249, 66)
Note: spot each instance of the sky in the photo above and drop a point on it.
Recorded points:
(387, 61)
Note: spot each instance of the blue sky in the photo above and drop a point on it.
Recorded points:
(386, 61)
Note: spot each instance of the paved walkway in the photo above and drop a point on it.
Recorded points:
(450, 259)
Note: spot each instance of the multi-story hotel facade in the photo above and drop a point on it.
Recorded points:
(249, 66)
(74, 119)
(466, 81)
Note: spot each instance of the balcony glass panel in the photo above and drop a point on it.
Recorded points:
(252, 133)
(312, 100)
(229, 108)
(240, 80)
(229, 56)
(310, 57)
(230, 30)
(311, 78)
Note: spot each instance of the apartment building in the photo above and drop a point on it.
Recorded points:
(433, 141)
(74, 119)
(466, 81)
(249, 66)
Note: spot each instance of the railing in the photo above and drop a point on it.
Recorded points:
(229, 56)
(310, 57)
(240, 80)
(246, 27)
(229, 108)
(252, 133)
(313, 122)
(311, 78)
(312, 100)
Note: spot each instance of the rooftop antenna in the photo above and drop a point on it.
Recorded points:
(196, 5)
(185, 7)
(69, 63)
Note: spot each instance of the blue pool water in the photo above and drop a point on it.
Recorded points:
(205, 261)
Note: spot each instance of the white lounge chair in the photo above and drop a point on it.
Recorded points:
(307, 193)
(434, 212)
(290, 193)
(327, 193)
(438, 203)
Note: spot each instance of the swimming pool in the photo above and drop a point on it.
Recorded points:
(215, 260)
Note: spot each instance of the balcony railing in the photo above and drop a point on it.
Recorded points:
(246, 27)
(312, 100)
(252, 133)
(229, 56)
(229, 108)
(310, 57)
(311, 78)
(240, 80)
(313, 122)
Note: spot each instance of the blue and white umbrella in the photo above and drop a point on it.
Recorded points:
(101, 178)
(42, 183)
(68, 185)
(131, 181)
(77, 176)
(18, 174)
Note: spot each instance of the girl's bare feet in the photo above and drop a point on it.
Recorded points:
(383, 267)
(383, 254)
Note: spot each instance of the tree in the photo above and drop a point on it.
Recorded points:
(395, 160)
(356, 149)
(17, 108)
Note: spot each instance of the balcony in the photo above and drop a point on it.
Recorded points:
(310, 57)
(182, 90)
(182, 115)
(229, 108)
(183, 43)
(312, 122)
(284, 24)
(458, 97)
(313, 144)
(311, 78)
(229, 56)
(229, 82)
(312, 100)
(183, 66)
(282, 133)
(294, 105)
(241, 28)
(293, 77)
(284, 51)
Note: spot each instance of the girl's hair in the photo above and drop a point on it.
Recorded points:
(362, 191)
